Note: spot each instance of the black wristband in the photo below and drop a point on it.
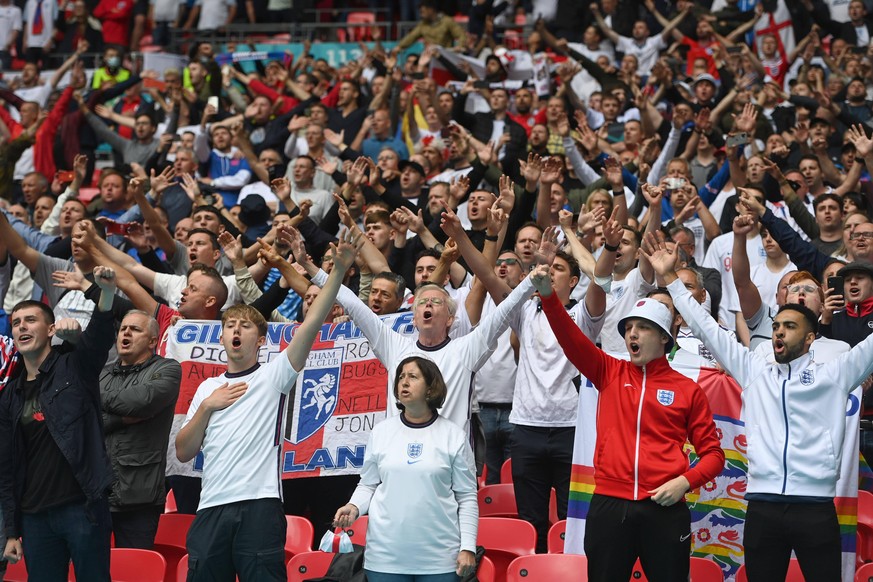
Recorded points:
(610, 248)
(491, 238)
(617, 193)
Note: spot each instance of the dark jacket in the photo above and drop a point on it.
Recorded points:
(70, 398)
(482, 125)
(146, 392)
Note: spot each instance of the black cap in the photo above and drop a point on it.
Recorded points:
(254, 210)
(414, 165)
(856, 267)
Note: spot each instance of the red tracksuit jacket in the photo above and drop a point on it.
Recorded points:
(644, 417)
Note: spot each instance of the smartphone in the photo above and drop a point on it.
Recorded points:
(418, 75)
(65, 177)
(739, 139)
(734, 50)
(675, 183)
(119, 228)
(481, 84)
(213, 101)
(837, 286)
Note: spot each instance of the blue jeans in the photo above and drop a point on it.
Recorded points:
(78, 531)
(381, 577)
(498, 430)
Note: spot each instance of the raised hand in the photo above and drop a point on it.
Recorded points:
(356, 172)
(565, 218)
(459, 188)
(548, 249)
(588, 220)
(612, 229)
(268, 255)
(662, 259)
(67, 329)
(451, 252)
(506, 199)
(399, 222)
(73, 280)
(104, 277)
(750, 203)
(450, 223)
(858, 137)
(333, 138)
(563, 125)
(344, 214)
(552, 170)
(497, 218)
(162, 181)
(346, 249)
(542, 280)
(487, 153)
(231, 245)
(688, 210)
(281, 187)
(743, 225)
(747, 119)
(326, 166)
(190, 186)
(531, 169)
(652, 193)
(613, 174)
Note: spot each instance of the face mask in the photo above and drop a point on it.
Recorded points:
(113, 62)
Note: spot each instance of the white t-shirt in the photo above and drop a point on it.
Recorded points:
(243, 443)
(169, 288)
(646, 53)
(495, 381)
(322, 200)
(546, 392)
(767, 281)
(10, 19)
(165, 10)
(48, 15)
(622, 295)
(416, 475)
(719, 257)
(213, 13)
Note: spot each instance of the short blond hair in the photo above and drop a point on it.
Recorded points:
(246, 313)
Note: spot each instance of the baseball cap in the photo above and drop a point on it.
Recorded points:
(650, 310)
(413, 165)
(705, 77)
(856, 267)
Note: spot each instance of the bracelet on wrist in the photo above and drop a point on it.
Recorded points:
(491, 238)
(617, 193)
(610, 248)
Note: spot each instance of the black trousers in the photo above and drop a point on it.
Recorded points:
(318, 498)
(244, 539)
(773, 529)
(542, 458)
(186, 490)
(618, 531)
(136, 528)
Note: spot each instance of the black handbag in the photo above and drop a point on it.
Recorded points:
(348, 567)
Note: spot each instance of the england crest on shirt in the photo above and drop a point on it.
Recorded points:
(807, 377)
(665, 397)
(413, 450)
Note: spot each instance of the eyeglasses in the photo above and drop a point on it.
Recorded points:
(431, 300)
(857, 235)
(507, 262)
(804, 288)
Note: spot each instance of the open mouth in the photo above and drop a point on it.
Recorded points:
(125, 343)
(801, 300)
(427, 315)
(634, 348)
(778, 346)
(617, 256)
(236, 342)
(192, 258)
(24, 338)
(853, 291)
(404, 393)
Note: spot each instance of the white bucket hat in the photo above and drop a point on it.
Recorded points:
(654, 311)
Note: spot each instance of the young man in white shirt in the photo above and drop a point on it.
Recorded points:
(240, 525)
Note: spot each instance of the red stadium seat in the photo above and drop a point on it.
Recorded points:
(864, 573)
(299, 537)
(133, 565)
(864, 551)
(505, 539)
(556, 537)
(170, 541)
(16, 572)
(703, 570)
(548, 567)
(307, 565)
(486, 572)
(865, 507)
(497, 501)
(359, 24)
(506, 471)
(794, 573)
(182, 569)
(170, 504)
(357, 531)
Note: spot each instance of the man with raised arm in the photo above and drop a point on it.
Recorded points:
(433, 313)
(794, 411)
(56, 474)
(236, 419)
(646, 413)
